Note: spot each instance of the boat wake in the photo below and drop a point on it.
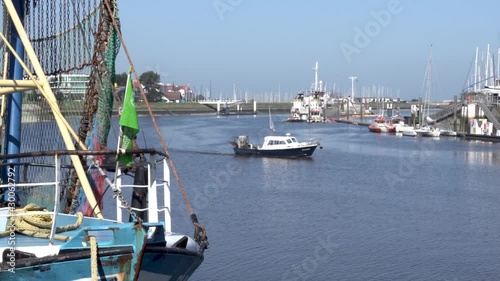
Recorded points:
(201, 152)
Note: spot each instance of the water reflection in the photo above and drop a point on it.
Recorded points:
(289, 172)
(480, 157)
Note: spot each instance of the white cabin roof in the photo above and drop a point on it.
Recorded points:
(277, 138)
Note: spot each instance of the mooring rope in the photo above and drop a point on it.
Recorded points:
(93, 259)
(38, 225)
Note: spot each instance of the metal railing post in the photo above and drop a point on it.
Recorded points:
(166, 196)
(56, 198)
(152, 190)
(118, 182)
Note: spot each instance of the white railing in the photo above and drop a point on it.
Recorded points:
(57, 190)
(153, 187)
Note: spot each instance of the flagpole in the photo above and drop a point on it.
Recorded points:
(120, 136)
(119, 143)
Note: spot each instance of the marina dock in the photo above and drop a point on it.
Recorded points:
(464, 136)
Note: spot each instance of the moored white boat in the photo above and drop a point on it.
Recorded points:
(427, 131)
(409, 133)
(399, 125)
(310, 106)
(449, 133)
(378, 125)
(400, 128)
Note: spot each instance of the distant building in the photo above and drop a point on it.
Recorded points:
(176, 93)
(136, 84)
(172, 96)
(71, 86)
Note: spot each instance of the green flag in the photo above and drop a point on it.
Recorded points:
(128, 122)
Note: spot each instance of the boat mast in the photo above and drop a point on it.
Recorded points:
(279, 92)
(234, 91)
(352, 86)
(14, 101)
(316, 77)
(487, 68)
(427, 84)
(475, 72)
(498, 68)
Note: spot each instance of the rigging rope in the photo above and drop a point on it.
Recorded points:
(97, 110)
(93, 259)
(199, 231)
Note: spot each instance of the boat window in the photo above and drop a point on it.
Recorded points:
(282, 142)
(293, 140)
(270, 142)
(288, 141)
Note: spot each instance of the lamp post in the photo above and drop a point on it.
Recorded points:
(352, 85)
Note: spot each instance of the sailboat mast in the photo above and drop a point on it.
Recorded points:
(279, 92)
(234, 91)
(487, 68)
(14, 101)
(475, 72)
(428, 85)
(316, 77)
(498, 68)
(271, 124)
(352, 86)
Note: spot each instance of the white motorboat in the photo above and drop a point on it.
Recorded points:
(428, 132)
(449, 133)
(409, 133)
(275, 146)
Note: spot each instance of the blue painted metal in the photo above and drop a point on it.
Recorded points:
(124, 249)
(125, 253)
(14, 104)
(15, 100)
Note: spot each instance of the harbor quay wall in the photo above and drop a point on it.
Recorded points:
(159, 108)
(193, 108)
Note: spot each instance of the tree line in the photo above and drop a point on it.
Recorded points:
(149, 79)
(151, 82)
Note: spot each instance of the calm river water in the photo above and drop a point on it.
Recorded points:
(365, 207)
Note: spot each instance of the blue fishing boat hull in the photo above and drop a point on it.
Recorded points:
(114, 264)
(161, 263)
(125, 252)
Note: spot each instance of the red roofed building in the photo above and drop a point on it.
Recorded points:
(176, 93)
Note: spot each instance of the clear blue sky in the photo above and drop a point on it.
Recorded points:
(260, 44)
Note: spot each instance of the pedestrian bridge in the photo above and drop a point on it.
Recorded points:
(222, 104)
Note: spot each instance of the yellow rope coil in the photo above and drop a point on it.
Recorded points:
(38, 225)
